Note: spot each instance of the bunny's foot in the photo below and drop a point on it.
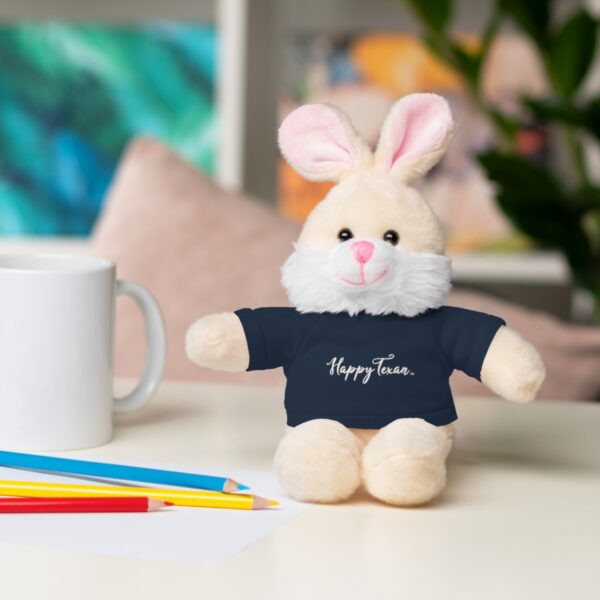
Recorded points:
(405, 462)
(319, 461)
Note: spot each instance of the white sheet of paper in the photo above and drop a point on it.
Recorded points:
(199, 535)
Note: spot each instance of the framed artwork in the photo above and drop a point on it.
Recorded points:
(72, 94)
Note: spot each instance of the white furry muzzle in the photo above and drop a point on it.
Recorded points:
(391, 281)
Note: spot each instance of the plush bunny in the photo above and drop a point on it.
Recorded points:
(368, 347)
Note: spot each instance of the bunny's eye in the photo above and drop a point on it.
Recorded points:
(345, 234)
(392, 237)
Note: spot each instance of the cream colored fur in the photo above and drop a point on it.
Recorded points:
(319, 461)
(415, 281)
(411, 170)
(218, 342)
(369, 204)
(419, 273)
(512, 367)
(360, 150)
(404, 462)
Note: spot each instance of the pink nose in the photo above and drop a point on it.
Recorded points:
(362, 251)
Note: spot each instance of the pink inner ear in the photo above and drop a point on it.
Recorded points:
(419, 125)
(314, 139)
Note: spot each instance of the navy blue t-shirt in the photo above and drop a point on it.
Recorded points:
(366, 371)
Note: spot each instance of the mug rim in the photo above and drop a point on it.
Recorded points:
(53, 263)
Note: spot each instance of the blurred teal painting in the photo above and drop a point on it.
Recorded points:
(71, 97)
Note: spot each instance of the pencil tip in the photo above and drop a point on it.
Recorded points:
(157, 504)
(259, 502)
(231, 485)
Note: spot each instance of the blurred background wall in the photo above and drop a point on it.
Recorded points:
(146, 132)
(213, 79)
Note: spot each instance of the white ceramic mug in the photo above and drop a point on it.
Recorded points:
(57, 319)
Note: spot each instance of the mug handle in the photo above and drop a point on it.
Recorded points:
(157, 346)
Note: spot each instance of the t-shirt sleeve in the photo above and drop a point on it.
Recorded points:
(271, 336)
(464, 337)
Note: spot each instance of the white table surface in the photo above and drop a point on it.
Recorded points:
(520, 518)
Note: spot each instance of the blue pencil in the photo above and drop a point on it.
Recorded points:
(112, 471)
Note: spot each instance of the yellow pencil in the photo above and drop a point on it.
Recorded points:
(200, 498)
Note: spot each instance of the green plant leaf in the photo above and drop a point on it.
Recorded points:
(586, 198)
(436, 14)
(567, 112)
(571, 51)
(591, 225)
(536, 203)
(591, 117)
(507, 124)
(533, 16)
(467, 64)
(489, 33)
(555, 109)
(437, 46)
(522, 178)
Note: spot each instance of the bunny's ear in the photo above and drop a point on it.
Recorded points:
(415, 135)
(319, 141)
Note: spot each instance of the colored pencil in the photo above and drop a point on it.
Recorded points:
(80, 505)
(200, 498)
(116, 471)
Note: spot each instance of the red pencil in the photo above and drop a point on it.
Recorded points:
(80, 505)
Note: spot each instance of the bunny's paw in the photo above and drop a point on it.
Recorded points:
(218, 342)
(512, 367)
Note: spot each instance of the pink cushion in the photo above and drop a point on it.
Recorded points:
(197, 248)
(202, 250)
